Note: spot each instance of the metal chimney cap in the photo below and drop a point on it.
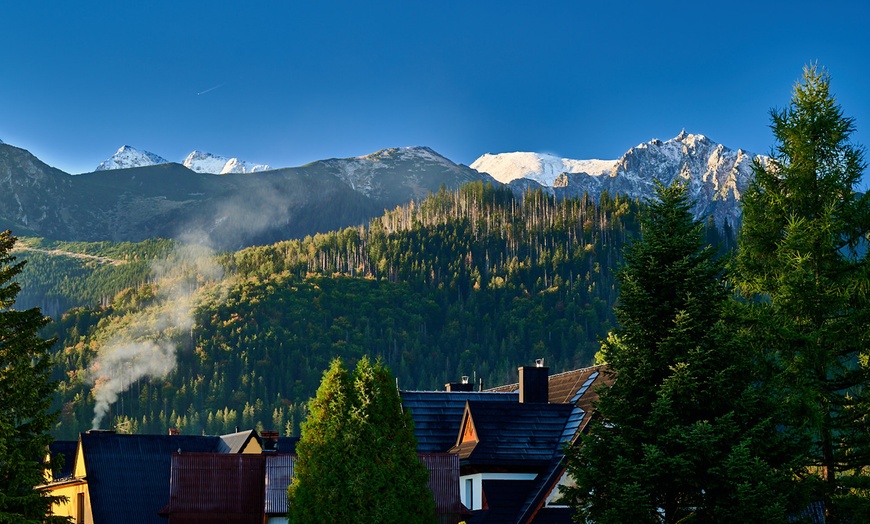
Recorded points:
(539, 362)
(465, 379)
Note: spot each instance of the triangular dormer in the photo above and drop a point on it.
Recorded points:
(468, 436)
(467, 432)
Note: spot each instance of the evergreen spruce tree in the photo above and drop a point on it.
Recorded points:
(686, 432)
(803, 257)
(357, 457)
(320, 475)
(25, 400)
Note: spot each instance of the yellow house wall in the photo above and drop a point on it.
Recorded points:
(79, 470)
(68, 508)
(252, 447)
(71, 491)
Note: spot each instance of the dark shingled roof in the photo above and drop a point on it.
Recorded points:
(555, 516)
(66, 449)
(514, 434)
(502, 500)
(128, 475)
(438, 414)
(287, 445)
(584, 396)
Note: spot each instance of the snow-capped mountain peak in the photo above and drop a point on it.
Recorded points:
(198, 161)
(202, 162)
(540, 167)
(379, 174)
(409, 153)
(716, 175)
(126, 157)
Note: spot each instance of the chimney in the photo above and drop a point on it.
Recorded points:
(174, 431)
(534, 387)
(270, 441)
(465, 385)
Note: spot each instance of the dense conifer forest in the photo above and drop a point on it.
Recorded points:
(469, 282)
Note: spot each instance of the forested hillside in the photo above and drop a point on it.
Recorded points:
(59, 276)
(469, 282)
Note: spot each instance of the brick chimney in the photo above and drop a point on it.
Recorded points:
(174, 431)
(270, 441)
(465, 385)
(534, 386)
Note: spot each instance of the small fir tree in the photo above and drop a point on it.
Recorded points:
(686, 432)
(803, 259)
(357, 458)
(25, 399)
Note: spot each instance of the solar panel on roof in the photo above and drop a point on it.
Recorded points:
(584, 387)
(573, 423)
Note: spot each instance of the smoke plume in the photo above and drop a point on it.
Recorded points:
(145, 345)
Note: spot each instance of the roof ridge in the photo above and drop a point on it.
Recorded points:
(578, 370)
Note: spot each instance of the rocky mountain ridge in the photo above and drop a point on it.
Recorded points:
(229, 212)
(717, 175)
(173, 200)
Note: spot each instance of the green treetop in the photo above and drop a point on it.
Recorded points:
(803, 258)
(685, 432)
(25, 399)
(357, 458)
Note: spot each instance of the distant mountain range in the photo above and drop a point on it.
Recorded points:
(717, 176)
(127, 157)
(136, 194)
(229, 212)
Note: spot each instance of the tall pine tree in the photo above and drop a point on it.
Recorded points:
(803, 257)
(357, 457)
(686, 431)
(25, 400)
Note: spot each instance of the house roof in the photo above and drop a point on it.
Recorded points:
(502, 500)
(576, 392)
(67, 450)
(236, 442)
(205, 487)
(555, 516)
(128, 475)
(562, 386)
(512, 433)
(438, 414)
(279, 473)
(584, 396)
(287, 445)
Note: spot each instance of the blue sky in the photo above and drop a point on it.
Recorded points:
(286, 83)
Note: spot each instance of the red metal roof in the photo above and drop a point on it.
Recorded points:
(444, 484)
(216, 487)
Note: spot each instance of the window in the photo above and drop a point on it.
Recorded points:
(469, 493)
(80, 508)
